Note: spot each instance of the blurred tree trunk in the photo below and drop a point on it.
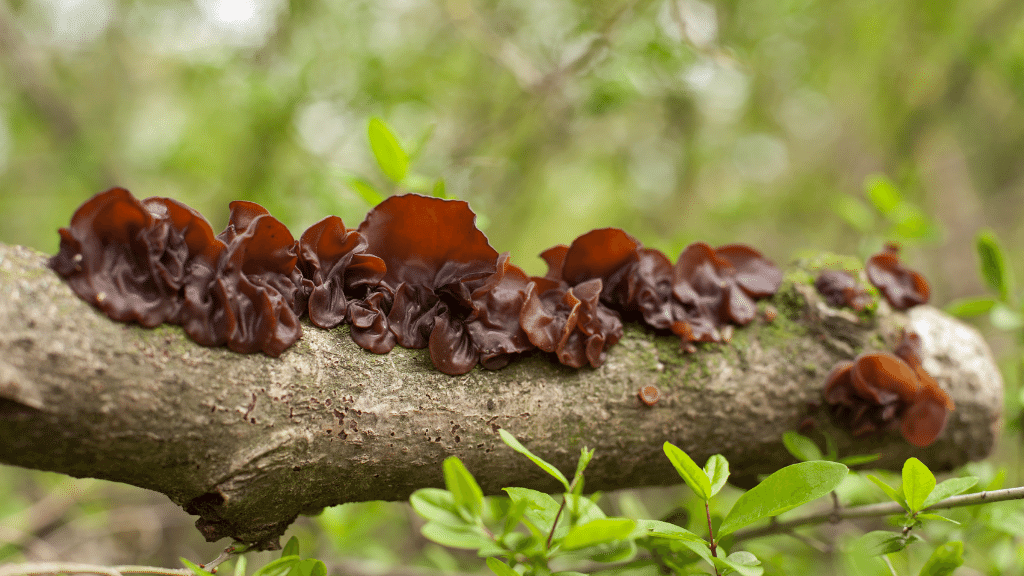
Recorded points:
(248, 442)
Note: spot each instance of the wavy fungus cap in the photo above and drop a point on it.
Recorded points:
(570, 321)
(713, 287)
(427, 241)
(840, 288)
(635, 280)
(879, 391)
(335, 262)
(109, 255)
(902, 287)
(485, 327)
(253, 300)
(428, 245)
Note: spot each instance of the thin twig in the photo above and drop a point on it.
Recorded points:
(40, 568)
(875, 510)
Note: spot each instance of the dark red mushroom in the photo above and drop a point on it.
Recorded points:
(451, 290)
(902, 287)
(570, 321)
(117, 256)
(649, 394)
(840, 288)
(157, 260)
(255, 296)
(426, 244)
(485, 328)
(883, 378)
(926, 418)
(335, 262)
(712, 287)
(879, 391)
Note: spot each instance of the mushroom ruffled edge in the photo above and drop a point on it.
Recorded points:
(880, 391)
(416, 272)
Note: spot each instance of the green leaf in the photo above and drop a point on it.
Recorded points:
(918, 483)
(970, 307)
(883, 194)
(855, 213)
(291, 548)
(195, 568)
(437, 505)
(801, 447)
(878, 542)
(308, 567)
(240, 565)
(692, 474)
(514, 444)
(743, 563)
(659, 529)
(613, 551)
(1005, 318)
(700, 548)
(279, 567)
(365, 190)
(463, 486)
(993, 264)
(717, 471)
(439, 189)
(893, 494)
(583, 509)
(540, 509)
(948, 488)
(927, 516)
(944, 560)
(577, 479)
(784, 490)
(598, 532)
(858, 459)
(500, 568)
(391, 158)
(469, 538)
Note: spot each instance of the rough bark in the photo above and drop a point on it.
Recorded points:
(247, 442)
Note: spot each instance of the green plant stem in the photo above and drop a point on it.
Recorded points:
(555, 523)
(39, 568)
(711, 533)
(888, 563)
(874, 510)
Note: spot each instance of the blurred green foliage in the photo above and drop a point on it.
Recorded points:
(789, 125)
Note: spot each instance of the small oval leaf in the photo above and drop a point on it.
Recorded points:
(463, 486)
(500, 568)
(801, 447)
(784, 490)
(918, 483)
(944, 560)
(948, 488)
(717, 470)
(598, 532)
(514, 444)
(692, 474)
(993, 264)
(391, 158)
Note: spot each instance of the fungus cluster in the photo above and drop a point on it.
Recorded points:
(157, 260)
(840, 288)
(881, 390)
(902, 287)
(416, 272)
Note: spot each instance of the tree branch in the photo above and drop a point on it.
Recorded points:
(248, 442)
(877, 510)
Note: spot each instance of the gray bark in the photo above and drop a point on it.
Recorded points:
(248, 442)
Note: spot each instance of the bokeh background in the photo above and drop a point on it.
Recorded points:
(793, 125)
